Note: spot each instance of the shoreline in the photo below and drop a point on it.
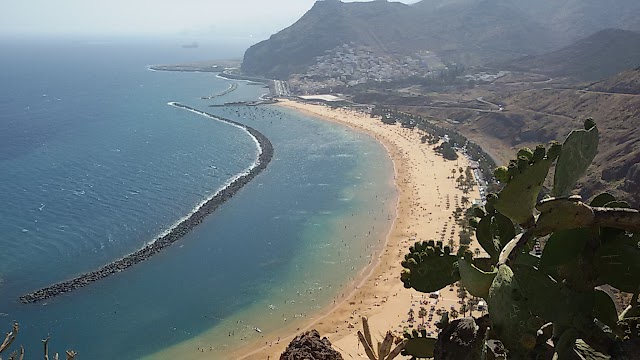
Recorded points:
(379, 294)
(196, 347)
(179, 229)
(250, 351)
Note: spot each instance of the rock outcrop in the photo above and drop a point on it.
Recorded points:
(309, 346)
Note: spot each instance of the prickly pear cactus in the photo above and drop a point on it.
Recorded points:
(557, 295)
(493, 230)
(563, 213)
(578, 151)
(523, 184)
(601, 200)
(429, 267)
(564, 246)
(564, 346)
(604, 309)
(510, 317)
(476, 281)
(418, 345)
(462, 339)
(618, 263)
(537, 287)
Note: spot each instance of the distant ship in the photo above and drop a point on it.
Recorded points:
(193, 45)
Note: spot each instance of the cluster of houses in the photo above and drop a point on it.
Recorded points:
(350, 65)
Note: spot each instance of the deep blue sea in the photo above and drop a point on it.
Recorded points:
(94, 164)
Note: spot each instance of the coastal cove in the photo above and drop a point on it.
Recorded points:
(273, 255)
(427, 197)
(424, 204)
(342, 247)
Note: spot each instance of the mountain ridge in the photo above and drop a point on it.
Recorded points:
(601, 55)
(471, 32)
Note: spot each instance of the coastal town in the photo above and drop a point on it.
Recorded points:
(350, 65)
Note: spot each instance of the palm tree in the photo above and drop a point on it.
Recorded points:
(422, 314)
(464, 309)
(455, 314)
(464, 200)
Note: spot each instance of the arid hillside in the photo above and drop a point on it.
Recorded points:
(596, 57)
(505, 120)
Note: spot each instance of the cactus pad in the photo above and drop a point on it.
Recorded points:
(526, 153)
(429, 267)
(418, 345)
(602, 199)
(618, 263)
(494, 231)
(538, 288)
(462, 339)
(518, 198)
(539, 153)
(604, 308)
(564, 246)
(476, 281)
(511, 320)
(501, 174)
(578, 151)
(561, 214)
(564, 347)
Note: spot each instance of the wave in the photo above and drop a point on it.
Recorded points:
(181, 227)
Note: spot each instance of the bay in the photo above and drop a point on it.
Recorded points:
(94, 164)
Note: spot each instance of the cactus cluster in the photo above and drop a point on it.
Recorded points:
(553, 302)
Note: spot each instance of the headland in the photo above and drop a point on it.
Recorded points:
(201, 66)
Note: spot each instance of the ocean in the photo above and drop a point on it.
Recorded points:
(94, 164)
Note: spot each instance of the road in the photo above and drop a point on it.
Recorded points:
(281, 88)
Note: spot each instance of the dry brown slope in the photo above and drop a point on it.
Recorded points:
(627, 82)
(596, 57)
(543, 115)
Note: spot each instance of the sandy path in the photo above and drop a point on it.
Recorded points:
(427, 199)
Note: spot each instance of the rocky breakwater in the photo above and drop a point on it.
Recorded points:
(174, 234)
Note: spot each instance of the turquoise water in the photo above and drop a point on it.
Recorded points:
(94, 164)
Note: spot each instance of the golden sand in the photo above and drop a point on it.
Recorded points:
(427, 199)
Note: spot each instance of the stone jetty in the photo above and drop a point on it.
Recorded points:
(177, 232)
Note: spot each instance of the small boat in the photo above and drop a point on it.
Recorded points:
(257, 329)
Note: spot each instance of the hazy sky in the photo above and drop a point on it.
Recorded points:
(189, 18)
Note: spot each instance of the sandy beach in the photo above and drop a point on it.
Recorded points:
(427, 199)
